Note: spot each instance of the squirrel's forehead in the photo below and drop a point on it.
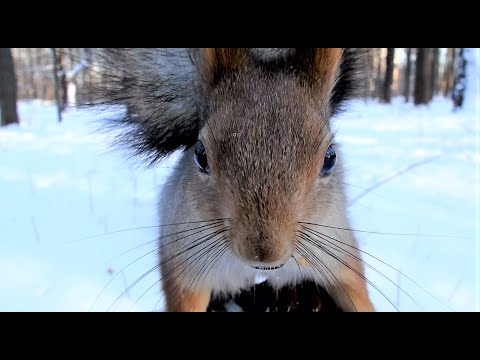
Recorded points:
(268, 120)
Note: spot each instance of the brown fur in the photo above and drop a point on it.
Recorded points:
(355, 287)
(264, 185)
(184, 300)
(326, 69)
(319, 66)
(219, 62)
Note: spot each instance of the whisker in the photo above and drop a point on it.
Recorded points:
(133, 284)
(218, 257)
(162, 263)
(319, 271)
(218, 250)
(383, 233)
(305, 252)
(158, 281)
(160, 185)
(213, 247)
(309, 251)
(355, 271)
(298, 265)
(339, 249)
(144, 255)
(361, 188)
(144, 227)
(205, 227)
(385, 263)
(156, 304)
(144, 293)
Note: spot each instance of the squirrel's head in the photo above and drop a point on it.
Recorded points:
(258, 123)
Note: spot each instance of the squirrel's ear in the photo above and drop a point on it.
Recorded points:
(159, 89)
(335, 74)
(218, 63)
(319, 66)
(351, 77)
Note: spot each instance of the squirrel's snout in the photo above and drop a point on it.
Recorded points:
(263, 251)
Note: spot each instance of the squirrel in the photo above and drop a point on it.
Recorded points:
(258, 188)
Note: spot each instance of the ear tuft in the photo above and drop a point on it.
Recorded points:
(218, 63)
(319, 67)
(350, 79)
(159, 89)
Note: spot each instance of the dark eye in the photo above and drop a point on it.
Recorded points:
(329, 162)
(201, 157)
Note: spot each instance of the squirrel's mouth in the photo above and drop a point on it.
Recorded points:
(268, 267)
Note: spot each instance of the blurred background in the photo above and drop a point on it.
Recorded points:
(78, 217)
(70, 75)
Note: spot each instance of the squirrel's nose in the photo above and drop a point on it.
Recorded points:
(264, 252)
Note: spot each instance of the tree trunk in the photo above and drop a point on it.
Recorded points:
(8, 88)
(378, 79)
(448, 73)
(31, 72)
(387, 83)
(367, 79)
(460, 81)
(434, 77)
(422, 77)
(41, 84)
(62, 78)
(429, 60)
(371, 71)
(408, 69)
(56, 84)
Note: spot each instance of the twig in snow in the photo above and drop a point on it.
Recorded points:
(35, 229)
(454, 291)
(90, 194)
(393, 176)
(125, 285)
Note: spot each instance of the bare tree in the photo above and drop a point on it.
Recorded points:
(8, 88)
(422, 77)
(31, 72)
(378, 78)
(434, 74)
(371, 71)
(388, 78)
(57, 85)
(448, 76)
(459, 84)
(408, 69)
(368, 79)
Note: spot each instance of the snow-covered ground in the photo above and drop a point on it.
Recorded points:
(62, 185)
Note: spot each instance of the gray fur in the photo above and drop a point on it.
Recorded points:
(269, 54)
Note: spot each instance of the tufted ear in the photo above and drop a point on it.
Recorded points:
(163, 89)
(218, 63)
(316, 65)
(334, 74)
(159, 89)
(319, 67)
(350, 79)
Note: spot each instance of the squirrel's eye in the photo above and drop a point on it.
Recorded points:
(201, 157)
(329, 162)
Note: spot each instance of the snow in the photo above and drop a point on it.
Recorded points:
(433, 198)
(75, 211)
(260, 278)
